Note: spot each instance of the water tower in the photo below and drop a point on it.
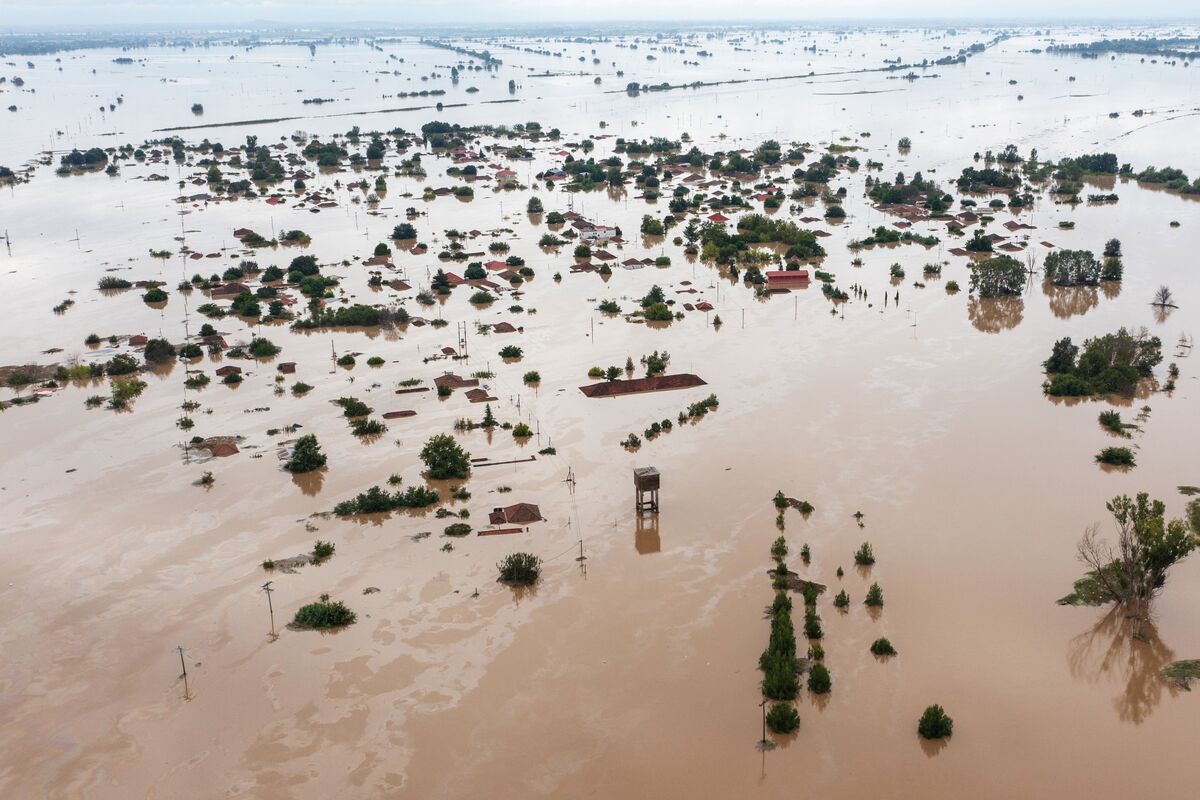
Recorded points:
(645, 484)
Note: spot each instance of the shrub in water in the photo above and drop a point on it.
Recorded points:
(520, 569)
(935, 723)
(782, 718)
(864, 555)
(306, 455)
(1116, 456)
(819, 681)
(882, 647)
(353, 407)
(874, 596)
(812, 624)
(324, 614)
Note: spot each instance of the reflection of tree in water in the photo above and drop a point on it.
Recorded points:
(1108, 649)
(1162, 314)
(1070, 301)
(995, 314)
(1111, 289)
(309, 483)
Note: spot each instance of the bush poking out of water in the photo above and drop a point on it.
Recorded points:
(812, 624)
(377, 501)
(935, 723)
(864, 556)
(782, 718)
(780, 500)
(444, 458)
(353, 407)
(842, 600)
(520, 569)
(324, 614)
(158, 351)
(457, 529)
(263, 348)
(367, 427)
(1116, 456)
(819, 681)
(322, 550)
(882, 647)
(1111, 421)
(306, 455)
(874, 596)
(779, 548)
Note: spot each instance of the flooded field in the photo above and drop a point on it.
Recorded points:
(909, 415)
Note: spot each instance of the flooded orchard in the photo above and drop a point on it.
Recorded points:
(636, 205)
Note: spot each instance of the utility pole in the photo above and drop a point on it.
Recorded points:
(764, 743)
(186, 693)
(266, 588)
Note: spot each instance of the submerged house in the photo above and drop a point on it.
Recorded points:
(516, 514)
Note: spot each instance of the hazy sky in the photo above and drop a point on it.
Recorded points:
(18, 13)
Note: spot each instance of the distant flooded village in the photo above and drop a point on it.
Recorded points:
(599, 410)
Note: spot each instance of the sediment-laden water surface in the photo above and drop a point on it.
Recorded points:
(910, 415)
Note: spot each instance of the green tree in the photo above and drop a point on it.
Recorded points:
(935, 723)
(159, 350)
(444, 458)
(1134, 571)
(306, 455)
(520, 569)
(998, 276)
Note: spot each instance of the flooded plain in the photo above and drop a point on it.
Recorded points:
(635, 671)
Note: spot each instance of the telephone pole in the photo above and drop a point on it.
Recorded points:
(266, 588)
(186, 693)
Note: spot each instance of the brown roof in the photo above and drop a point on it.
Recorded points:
(787, 276)
(657, 383)
(478, 396)
(454, 381)
(231, 288)
(516, 514)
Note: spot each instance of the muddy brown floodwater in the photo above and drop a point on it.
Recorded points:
(634, 672)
